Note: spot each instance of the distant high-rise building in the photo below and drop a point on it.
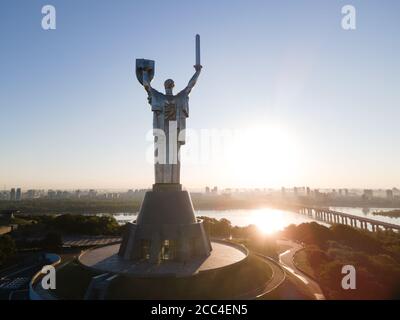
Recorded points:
(4, 196)
(12, 194)
(65, 194)
(130, 193)
(92, 193)
(368, 194)
(207, 189)
(18, 195)
(346, 192)
(295, 191)
(389, 194)
(31, 194)
(283, 191)
(308, 191)
(51, 194)
(215, 189)
(78, 193)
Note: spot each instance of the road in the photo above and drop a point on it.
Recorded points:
(277, 278)
(17, 278)
(286, 260)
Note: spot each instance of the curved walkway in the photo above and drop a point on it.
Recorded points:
(277, 278)
(286, 260)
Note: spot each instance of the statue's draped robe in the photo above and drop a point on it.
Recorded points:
(169, 122)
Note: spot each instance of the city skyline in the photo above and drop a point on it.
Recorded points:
(74, 116)
(205, 189)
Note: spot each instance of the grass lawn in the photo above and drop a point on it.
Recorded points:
(20, 221)
(301, 262)
(5, 222)
(224, 284)
(283, 247)
(72, 281)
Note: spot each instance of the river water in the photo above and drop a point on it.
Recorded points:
(271, 220)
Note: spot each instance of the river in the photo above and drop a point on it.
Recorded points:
(271, 220)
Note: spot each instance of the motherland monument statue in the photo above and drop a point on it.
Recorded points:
(166, 227)
(169, 118)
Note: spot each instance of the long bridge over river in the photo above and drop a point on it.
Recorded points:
(329, 216)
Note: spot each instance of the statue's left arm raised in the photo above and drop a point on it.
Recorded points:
(193, 80)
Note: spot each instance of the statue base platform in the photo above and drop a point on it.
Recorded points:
(166, 228)
(106, 259)
(167, 187)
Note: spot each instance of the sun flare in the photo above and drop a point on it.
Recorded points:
(268, 222)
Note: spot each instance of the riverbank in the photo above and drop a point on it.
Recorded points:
(200, 202)
(391, 213)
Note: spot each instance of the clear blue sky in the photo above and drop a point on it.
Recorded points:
(74, 116)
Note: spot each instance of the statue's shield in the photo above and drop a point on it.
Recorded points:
(142, 64)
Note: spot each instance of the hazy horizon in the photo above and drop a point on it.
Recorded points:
(196, 189)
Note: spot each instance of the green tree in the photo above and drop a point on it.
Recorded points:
(7, 248)
(52, 240)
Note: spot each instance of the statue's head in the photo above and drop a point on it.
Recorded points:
(169, 85)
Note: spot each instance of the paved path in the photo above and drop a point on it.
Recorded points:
(4, 229)
(286, 260)
(277, 278)
(87, 241)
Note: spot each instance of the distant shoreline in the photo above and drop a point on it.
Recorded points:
(392, 213)
(219, 203)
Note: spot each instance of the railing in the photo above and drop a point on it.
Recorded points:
(332, 217)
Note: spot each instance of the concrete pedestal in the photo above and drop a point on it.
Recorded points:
(166, 228)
